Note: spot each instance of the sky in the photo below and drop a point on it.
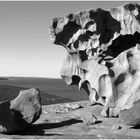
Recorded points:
(25, 47)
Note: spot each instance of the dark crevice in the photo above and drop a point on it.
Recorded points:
(122, 43)
(129, 54)
(89, 33)
(76, 44)
(83, 38)
(106, 36)
(130, 6)
(106, 25)
(75, 80)
(83, 55)
(89, 24)
(85, 87)
(111, 73)
(70, 16)
(54, 23)
(135, 127)
(120, 79)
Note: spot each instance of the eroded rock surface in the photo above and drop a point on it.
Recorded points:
(103, 54)
(17, 115)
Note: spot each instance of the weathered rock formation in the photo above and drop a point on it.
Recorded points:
(17, 115)
(103, 54)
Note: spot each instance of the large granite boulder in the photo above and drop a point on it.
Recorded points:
(103, 54)
(18, 115)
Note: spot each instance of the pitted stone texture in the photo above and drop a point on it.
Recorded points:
(87, 30)
(94, 34)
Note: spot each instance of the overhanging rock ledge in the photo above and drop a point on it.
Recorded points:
(103, 54)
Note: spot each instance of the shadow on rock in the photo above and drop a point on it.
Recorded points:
(39, 129)
(135, 127)
(98, 122)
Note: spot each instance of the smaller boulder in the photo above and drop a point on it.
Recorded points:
(20, 113)
(63, 108)
(72, 106)
(117, 127)
(88, 118)
(28, 104)
(58, 108)
(131, 116)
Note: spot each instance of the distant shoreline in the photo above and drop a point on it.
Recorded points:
(51, 86)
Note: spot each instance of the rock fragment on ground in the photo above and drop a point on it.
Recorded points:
(62, 108)
(20, 113)
(88, 118)
(73, 106)
(117, 127)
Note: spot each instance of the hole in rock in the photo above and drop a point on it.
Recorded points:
(70, 16)
(133, 72)
(83, 38)
(122, 43)
(75, 80)
(54, 23)
(129, 54)
(106, 25)
(89, 33)
(83, 55)
(76, 44)
(89, 24)
(68, 31)
(130, 7)
(120, 79)
(111, 73)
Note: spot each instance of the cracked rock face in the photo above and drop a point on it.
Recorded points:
(103, 54)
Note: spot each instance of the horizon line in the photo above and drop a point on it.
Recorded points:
(30, 77)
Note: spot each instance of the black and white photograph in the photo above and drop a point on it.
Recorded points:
(69, 69)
